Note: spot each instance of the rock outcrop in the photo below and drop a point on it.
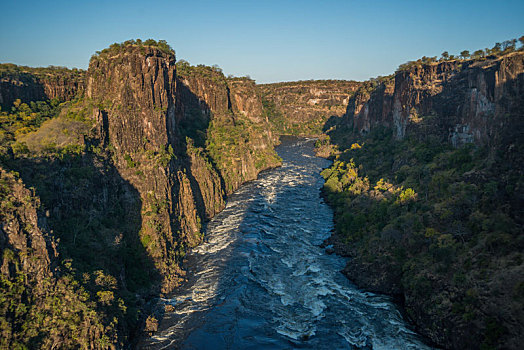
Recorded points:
(468, 101)
(446, 138)
(303, 107)
(38, 84)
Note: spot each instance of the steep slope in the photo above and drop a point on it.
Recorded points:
(303, 107)
(226, 118)
(427, 191)
(126, 175)
(38, 84)
(41, 305)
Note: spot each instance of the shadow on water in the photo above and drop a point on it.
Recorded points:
(261, 279)
(96, 214)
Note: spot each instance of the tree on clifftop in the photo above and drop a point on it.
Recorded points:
(478, 54)
(496, 49)
(465, 54)
(509, 45)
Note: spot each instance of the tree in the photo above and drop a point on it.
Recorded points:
(509, 45)
(445, 55)
(216, 68)
(427, 60)
(496, 49)
(465, 54)
(521, 39)
(150, 42)
(478, 54)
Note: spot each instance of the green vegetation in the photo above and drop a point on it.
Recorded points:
(497, 50)
(117, 48)
(39, 309)
(90, 220)
(228, 144)
(273, 113)
(22, 119)
(186, 70)
(45, 128)
(440, 218)
(52, 72)
(62, 135)
(367, 87)
(51, 317)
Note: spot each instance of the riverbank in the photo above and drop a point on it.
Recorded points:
(262, 278)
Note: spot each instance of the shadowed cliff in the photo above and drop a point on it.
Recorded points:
(427, 190)
(126, 175)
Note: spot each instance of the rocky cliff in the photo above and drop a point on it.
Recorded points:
(303, 107)
(427, 193)
(161, 126)
(125, 195)
(472, 100)
(226, 118)
(42, 305)
(135, 91)
(38, 84)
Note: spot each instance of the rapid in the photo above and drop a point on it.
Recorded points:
(261, 280)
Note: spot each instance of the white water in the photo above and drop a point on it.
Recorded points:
(261, 281)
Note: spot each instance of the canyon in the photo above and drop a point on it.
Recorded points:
(102, 201)
(418, 151)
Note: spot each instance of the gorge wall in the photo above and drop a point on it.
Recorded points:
(303, 107)
(471, 101)
(427, 191)
(124, 199)
(38, 84)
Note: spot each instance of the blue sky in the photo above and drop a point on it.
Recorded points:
(268, 40)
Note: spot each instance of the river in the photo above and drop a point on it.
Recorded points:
(262, 281)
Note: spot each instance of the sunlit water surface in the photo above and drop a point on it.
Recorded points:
(261, 281)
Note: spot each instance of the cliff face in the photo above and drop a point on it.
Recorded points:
(304, 107)
(135, 90)
(430, 168)
(38, 84)
(226, 118)
(474, 101)
(179, 140)
(245, 100)
(42, 305)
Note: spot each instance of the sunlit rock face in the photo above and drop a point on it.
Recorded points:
(462, 101)
(38, 84)
(174, 138)
(304, 107)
